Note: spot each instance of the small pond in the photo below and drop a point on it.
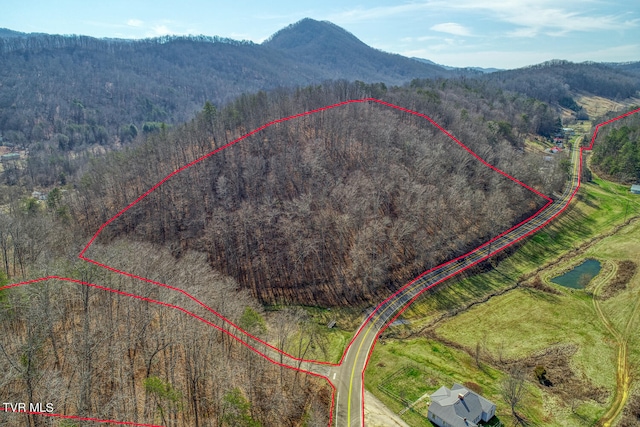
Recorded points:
(580, 276)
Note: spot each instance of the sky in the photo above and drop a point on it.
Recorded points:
(484, 33)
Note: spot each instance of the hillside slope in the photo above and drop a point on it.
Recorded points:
(335, 208)
(75, 90)
(338, 54)
(557, 81)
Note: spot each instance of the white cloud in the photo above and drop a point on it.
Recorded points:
(135, 23)
(160, 30)
(516, 19)
(451, 28)
(534, 16)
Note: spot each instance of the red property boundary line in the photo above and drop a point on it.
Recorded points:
(167, 305)
(81, 255)
(247, 135)
(224, 319)
(408, 304)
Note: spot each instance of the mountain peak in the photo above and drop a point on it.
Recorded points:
(307, 32)
(325, 46)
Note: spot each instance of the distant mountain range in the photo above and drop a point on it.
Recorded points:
(168, 78)
(447, 67)
(308, 50)
(84, 89)
(333, 49)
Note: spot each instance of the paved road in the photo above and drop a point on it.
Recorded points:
(348, 377)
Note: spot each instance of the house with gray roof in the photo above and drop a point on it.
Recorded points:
(9, 157)
(459, 407)
(635, 188)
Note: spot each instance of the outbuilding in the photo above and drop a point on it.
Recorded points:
(635, 188)
(9, 157)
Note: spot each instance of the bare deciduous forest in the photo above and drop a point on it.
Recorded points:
(99, 354)
(617, 154)
(338, 208)
(334, 208)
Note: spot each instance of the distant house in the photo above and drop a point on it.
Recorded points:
(9, 157)
(635, 188)
(459, 407)
(39, 196)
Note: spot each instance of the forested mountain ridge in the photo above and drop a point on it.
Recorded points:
(632, 67)
(340, 207)
(64, 97)
(558, 81)
(467, 70)
(6, 33)
(81, 90)
(65, 93)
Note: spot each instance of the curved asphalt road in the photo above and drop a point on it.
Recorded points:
(348, 377)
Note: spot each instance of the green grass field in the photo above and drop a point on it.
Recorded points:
(623, 310)
(524, 321)
(600, 206)
(431, 365)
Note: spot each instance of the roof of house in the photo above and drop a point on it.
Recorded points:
(635, 187)
(458, 406)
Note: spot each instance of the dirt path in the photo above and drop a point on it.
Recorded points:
(623, 374)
